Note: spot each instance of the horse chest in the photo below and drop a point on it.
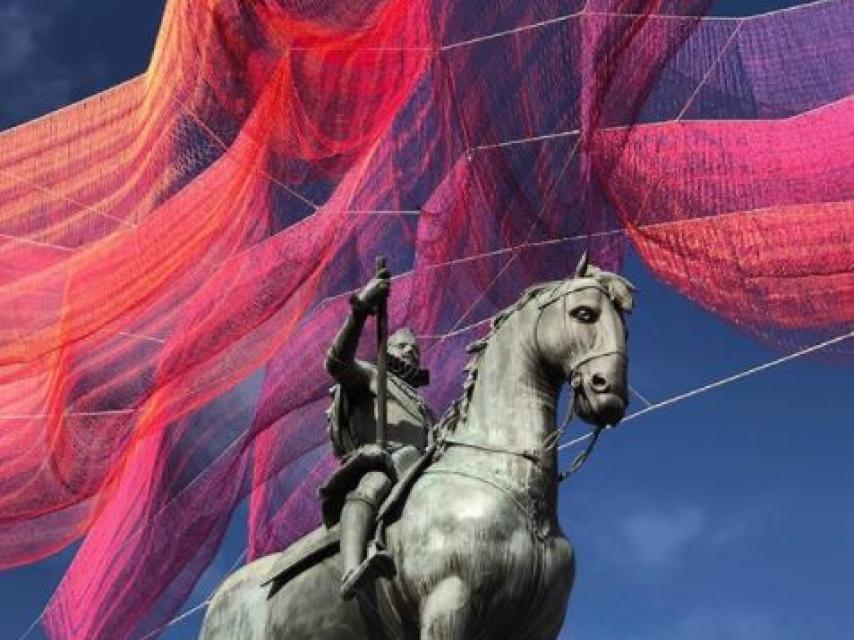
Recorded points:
(462, 529)
(465, 526)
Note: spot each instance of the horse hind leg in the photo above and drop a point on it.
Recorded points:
(446, 612)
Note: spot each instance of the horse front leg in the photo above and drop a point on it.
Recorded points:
(446, 612)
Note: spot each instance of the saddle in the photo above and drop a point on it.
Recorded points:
(324, 541)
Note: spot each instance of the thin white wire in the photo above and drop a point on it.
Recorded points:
(538, 138)
(72, 201)
(663, 123)
(528, 245)
(225, 148)
(389, 212)
(650, 407)
(451, 334)
(153, 517)
(456, 261)
(198, 607)
(722, 382)
(33, 624)
(80, 414)
(179, 618)
(546, 198)
(754, 16)
(537, 25)
(38, 243)
(508, 32)
(709, 71)
(639, 396)
(655, 16)
(173, 621)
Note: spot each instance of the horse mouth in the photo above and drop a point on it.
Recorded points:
(601, 409)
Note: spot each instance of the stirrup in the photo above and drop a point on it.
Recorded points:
(380, 559)
(377, 562)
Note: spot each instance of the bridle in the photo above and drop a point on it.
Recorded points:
(560, 292)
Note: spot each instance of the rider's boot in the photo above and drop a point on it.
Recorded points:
(357, 523)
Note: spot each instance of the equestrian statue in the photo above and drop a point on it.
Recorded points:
(448, 530)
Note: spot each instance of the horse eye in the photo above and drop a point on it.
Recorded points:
(584, 314)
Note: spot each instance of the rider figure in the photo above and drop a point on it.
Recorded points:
(355, 492)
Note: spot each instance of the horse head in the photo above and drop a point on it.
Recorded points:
(581, 335)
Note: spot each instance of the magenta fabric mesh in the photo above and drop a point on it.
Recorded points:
(177, 253)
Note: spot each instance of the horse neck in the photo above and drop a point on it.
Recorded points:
(512, 406)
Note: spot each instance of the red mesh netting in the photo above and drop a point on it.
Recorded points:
(176, 254)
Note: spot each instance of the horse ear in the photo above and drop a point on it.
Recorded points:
(581, 269)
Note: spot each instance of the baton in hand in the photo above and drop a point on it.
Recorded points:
(382, 376)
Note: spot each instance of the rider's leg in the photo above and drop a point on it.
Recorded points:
(357, 524)
(445, 614)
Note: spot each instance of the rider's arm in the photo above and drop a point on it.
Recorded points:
(341, 363)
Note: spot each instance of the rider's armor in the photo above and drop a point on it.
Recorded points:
(354, 493)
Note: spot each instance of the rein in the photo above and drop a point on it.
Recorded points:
(549, 443)
(538, 454)
(560, 293)
(551, 440)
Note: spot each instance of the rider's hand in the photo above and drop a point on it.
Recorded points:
(376, 291)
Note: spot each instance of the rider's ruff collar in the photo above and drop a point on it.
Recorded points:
(409, 374)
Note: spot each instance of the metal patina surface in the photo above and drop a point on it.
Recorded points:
(478, 552)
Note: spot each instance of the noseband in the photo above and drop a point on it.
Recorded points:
(561, 292)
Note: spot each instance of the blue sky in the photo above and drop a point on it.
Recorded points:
(725, 517)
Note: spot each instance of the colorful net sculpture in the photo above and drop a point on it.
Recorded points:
(176, 253)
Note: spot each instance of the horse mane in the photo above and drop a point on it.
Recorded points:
(620, 291)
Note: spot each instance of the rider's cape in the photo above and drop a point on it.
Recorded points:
(337, 419)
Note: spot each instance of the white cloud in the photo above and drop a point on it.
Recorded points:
(737, 526)
(657, 537)
(704, 623)
(637, 537)
(720, 624)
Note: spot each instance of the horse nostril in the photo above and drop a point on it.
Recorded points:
(599, 383)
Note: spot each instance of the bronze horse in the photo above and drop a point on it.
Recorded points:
(478, 550)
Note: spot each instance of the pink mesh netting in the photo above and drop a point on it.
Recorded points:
(176, 253)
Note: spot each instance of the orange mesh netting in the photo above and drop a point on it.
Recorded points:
(177, 253)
